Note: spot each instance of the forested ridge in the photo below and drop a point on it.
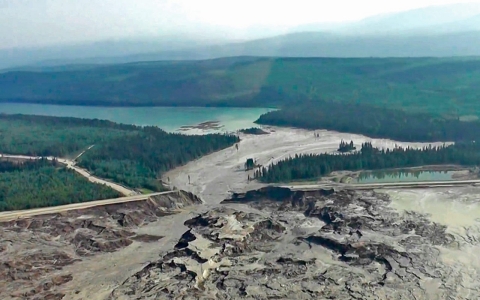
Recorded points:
(430, 85)
(313, 166)
(42, 183)
(375, 122)
(133, 155)
(407, 99)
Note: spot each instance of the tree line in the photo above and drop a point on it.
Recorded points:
(138, 160)
(346, 147)
(135, 156)
(42, 183)
(372, 121)
(55, 136)
(312, 166)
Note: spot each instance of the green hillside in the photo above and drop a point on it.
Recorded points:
(435, 85)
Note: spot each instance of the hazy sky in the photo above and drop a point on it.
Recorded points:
(25, 23)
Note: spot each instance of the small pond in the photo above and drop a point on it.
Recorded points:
(403, 176)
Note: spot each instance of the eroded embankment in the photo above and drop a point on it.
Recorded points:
(34, 251)
(283, 244)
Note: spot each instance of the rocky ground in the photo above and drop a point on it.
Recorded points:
(275, 243)
(35, 253)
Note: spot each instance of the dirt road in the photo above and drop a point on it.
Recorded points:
(11, 215)
(72, 165)
(392, 185)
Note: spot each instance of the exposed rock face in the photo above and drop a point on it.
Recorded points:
(280, 244)
(34, 251)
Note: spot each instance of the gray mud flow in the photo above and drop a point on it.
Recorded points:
(80, 254)
(275, 243)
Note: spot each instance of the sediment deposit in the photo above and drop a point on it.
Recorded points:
(35, 251)
(280, 244)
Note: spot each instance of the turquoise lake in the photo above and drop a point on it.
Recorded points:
(403, 176)
(167, 118)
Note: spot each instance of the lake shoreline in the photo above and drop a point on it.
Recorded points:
(127, 105)
(171, 119)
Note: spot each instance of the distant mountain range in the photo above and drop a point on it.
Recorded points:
(451, 30)
(433, 19)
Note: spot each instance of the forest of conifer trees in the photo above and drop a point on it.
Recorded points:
(135, 156)
(41, 183)
(346, 147)
(314, 166)
(138, 160)
(372, 121)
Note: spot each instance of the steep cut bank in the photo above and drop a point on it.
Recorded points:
(277, 243)
(38, 254)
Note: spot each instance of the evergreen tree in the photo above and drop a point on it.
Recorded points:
(311, 166)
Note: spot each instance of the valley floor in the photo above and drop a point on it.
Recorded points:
(215, 177)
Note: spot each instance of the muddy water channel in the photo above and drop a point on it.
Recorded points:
(459, 210)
